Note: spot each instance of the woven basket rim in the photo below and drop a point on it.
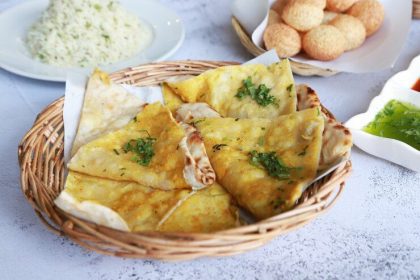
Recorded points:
(42, 178)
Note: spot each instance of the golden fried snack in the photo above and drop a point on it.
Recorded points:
(339, 5)
(279, 5)
(283, 38)
(317, 3)
(328, 16)
(370, 13)
(324, 42)
(302, 17)
(273, 17)
(352, 29)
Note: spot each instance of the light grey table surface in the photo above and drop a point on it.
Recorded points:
(372, 232)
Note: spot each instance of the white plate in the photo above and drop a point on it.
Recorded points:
(378, 52)
(168, 35)
(399, 88)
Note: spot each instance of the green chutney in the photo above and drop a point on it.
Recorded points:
(397, 120)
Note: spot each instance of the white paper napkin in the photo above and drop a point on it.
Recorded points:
(73, 103)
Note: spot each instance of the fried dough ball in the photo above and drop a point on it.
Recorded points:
(279, 5)
(317, 3)
(273, 17)
(302, 17)
(283, 38)
(324, 42)
(352, 29)
(328, 16)
(370, 13)
(339, 5)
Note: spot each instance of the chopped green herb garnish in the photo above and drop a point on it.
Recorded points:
(277, 203)
(106, 37)
(88, 25)
(262, 128)
(237, 119)
(289, 89)
(260, 94)
(261, 141)
(194, 122)
(301, 154)
(142, 148)
(97, 7)
(217, 147)
(271, 163)
(116, 152)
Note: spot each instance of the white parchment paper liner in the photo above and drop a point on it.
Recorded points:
(75, 92)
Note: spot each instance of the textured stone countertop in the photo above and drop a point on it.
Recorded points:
(373, 232)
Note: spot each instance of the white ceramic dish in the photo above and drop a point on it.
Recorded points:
(167, 27)
(378, 52)
(399, 88)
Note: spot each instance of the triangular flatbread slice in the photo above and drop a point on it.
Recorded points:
(219, 88)
(130, 206)
(172, 101)
(336, 139)
(152, 150)
(265, 164)
(107, 107)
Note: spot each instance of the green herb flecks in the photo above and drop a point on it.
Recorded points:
(142, 148)
(116, 152)
(277, 203)
(41, 56)
(271, 163)
(110, 5)
(261, 141)
(260, 94)
(194, 122)
(303, 153)
(106, 37)
(289, 89)
(97, 7)
(217, 147)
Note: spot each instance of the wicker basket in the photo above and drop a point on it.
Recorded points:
(416, 9)
(42, 179)
(297, 67)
